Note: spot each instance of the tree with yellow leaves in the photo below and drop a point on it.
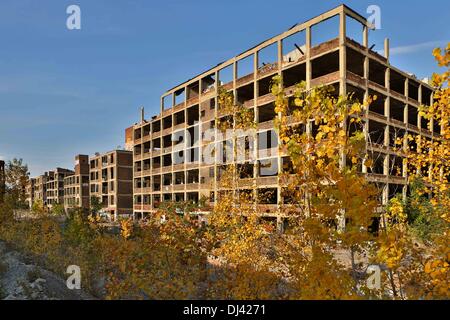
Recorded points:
(333, 206)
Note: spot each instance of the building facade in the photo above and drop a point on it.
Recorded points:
(40, 189)
(55, 186)
(111, 182)
(30, 191)
(76, 186)
(340, 57)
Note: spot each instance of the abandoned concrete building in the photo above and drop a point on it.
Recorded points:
(55, 186)
(38, 189)
(111, 182)
(337, 57)
(30, 191)
(76, 186)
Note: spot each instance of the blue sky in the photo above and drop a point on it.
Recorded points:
(67, 92)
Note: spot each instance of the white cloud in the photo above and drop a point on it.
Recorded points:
(394, 51)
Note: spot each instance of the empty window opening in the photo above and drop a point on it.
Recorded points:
(146, 200)
(137, 134)
(180, 96)
(156, 126)
(138, 199)
(156, 183)
(156, 144)
(413, 114)
(245, 170)
(226, 76)
(147, 147)
(167, 197)
(325, 30)
(264, 86)
(413, 90)
(147, 165)
(424, 123)
(156, 162)
(426, 96)
(325, 64)
(167, 141)
(394, 135)
(354, 29)
(193, 115)
(245, 93)
(192, 197)
(395, 166)
(397, 110)
(294, 75)
(397, 82)
(377, 105)
(245, 67)
(179, 118)
(167, 102)
(294, 47)
(179, 177)
(137, 149)
(179, 197)
(377, 166)
(353, 127)
(138, 183)
(156, 200)
(394, 190)
(193, 176)
(357, 93)
(376, 132)
(268, 59)
(268, 167)
(355, 62)
(266, 112)
(436, 126)
(412, 145)
(146, 183)
(167, 160)
(192, 90)
(167, 179)
(167, 122)
(146, 130)
(208, 83)
(268, 196)
(377, 72)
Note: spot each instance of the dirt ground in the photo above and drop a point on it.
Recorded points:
(20, 279)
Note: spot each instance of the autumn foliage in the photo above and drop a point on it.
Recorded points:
(337, 225)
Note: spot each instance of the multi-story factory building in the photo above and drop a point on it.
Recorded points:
(76, 186)
(342, 57)
(40, 189)
(30, 191)
(55, 186)
(111, 182)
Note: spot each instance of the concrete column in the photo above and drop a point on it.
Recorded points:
(308, 58)
(386, 49)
